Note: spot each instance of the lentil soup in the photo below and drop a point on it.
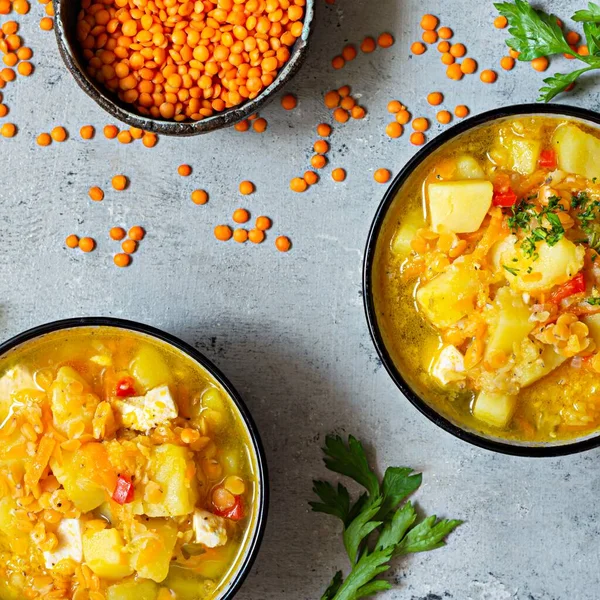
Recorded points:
(486, 283)
(126, 471)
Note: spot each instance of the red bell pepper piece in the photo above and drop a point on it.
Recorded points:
(235, 513)
(125, 387)
(548, 159)
(575, 286)
(504, 199)
(124, 491)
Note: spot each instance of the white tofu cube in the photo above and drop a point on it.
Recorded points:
(210, 529)
(143, 413)
(449, 366)
(70, 543)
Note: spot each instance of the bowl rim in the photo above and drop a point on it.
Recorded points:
(263, 475)
(223, 119)
(368, 263)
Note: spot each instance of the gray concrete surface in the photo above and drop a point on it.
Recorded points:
(289, 329)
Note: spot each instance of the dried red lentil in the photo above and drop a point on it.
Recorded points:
(188, 60)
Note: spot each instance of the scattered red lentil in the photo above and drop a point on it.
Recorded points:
(256, 236)
(246, 188)
(310, 177)
(403, 117)
(242, 125)
(223, 232)
(122, 260)
(124, 137)
(488, 76)
(259, 125)
(454, 72)
(394, 129)
(149, 140)
(458, 50)
(358, 112)
(46, 24)
(443, 47)
(500, 22)
(318, 161)
(382, 176)
(418, 48)
(468, 66)
(241, 215)
(129, 246)
(368, 45)
(348, 103)
(263, 223)
(447, 59)
(25, 69)
(289, 102)
(461, 111)
(137, 233)
(43, 139)
(240, 236)
(344, 91)
(117, 233)
(96, 194)
(349, 53)
(8, 130)
(435, 98)
(72, 241)
(324, 130)
(385, 40)
(87, 244)
(321, 147)
(119, 182)
(283, 244)
(420, 124)
(445, 33)
(417, 138)
(332, 99)
(136, 133)
(184, 170)
(110, 131)
(430, 37)
(338, 175)
(429, 22)
(573, 38)
(341, 115)
(444, 117)
(87, 132)
(394, 107)
(297, 184)
(514, 53)
(540, 64)
(199, 197)
(338, 62)
(507, 63)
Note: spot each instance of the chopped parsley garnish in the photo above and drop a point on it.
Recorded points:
(511, 270)
(593, 301)
(587, 210)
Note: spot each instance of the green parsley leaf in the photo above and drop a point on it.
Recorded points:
(350, 461)
(535, 33)
(592, 15)
(559, 82)
(368, 567)
(594, 301)
(333, 502)
(362, 526)
(398, 483)
(427, 535)
(394, 530)
(334, 586)
(592, 37)
(511, 270)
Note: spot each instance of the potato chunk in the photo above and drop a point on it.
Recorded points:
(460, 206)
(494, 409)
(593, 323)
(512, 323)
(467, 167)
(577, 150)
(150, 369)
(72, 402)
(450, 296)
(104, 553)
(170, 467)
(152, 551)
(533, 367)
(523, 155)
(133, 590)
(407, 232)
(556, 265)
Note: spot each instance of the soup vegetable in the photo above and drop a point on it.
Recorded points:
(487, 279)
(126, 472)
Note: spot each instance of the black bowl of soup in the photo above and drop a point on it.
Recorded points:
(130, 467)
(482, 280)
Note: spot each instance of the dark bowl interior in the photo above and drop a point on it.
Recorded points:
(65, 26)
(473, 437)
(262, 474)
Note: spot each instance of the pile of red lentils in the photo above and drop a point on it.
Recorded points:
(184, 59)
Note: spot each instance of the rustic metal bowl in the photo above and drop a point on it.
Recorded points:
(65, 27)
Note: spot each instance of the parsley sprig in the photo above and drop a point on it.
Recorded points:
(379, 525)
(536, 33)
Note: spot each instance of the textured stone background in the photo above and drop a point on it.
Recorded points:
(289, 329)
